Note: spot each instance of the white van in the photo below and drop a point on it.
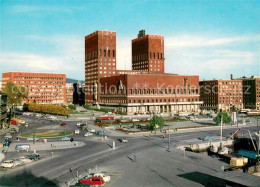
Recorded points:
(22, 147)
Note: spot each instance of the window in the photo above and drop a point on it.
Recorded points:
(104, 52)
(113, 53)
(161, 56)
(100, 52)
(150, 54)
(154, 55)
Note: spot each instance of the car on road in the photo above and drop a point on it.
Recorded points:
(25, 160)
(18, 161)
(7, 135)
(77, 131)
(65, 138)
(92, 130)
(34, 156)
(99, 133)
(78, 124)
(106, 178)
(13, 130)
(248, 121)
(88, 134)
(9, 164)
(31, 138)
(22, 147)
(206, 138)
(123, 140)
(98, 181)
(63, 124)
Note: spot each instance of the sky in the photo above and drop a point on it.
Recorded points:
(212, 38)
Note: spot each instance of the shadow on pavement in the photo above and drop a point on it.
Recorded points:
(26, 179)
(208, 180)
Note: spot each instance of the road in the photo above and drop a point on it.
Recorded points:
(63, 166)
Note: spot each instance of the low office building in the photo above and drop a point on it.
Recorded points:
(151, 93)
(251, 90)
(225, 95)
(43, 88)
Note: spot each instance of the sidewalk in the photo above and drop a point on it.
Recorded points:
(48, 145)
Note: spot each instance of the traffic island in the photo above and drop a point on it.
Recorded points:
(47, 134)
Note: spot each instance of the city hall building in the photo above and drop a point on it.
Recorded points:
(145, 88)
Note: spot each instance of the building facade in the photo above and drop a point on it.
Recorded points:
(69, 93)
(43, 88)
(251, 90)
(3, 111)
(148, 53)
(225, 95)
(151, 93)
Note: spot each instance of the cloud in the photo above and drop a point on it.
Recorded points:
(189, 41)
(124, 54)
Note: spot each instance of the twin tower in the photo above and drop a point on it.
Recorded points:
(100, 57)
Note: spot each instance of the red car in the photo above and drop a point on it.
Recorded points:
(99, 181)
(105, 117)
(13, 122)
(63, 124)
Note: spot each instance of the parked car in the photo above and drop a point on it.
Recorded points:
(123, 140)
(13, 122)
(31, 138)
(18, 161)
(92, 130)
(25, 160)
(248, 121)
(77, 131)
(65, 138)
(7, 135)
(105, 177)
(22, 147)
(78, 124)
(9, 164)
(88, 134)
(26, 124)
(99, 181)
(63, 124)
(206, 138)
(99, 133)
(13, 130)
(34, 156)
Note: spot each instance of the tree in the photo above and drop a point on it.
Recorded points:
(156, 121)
(14, 93)
(226, 118)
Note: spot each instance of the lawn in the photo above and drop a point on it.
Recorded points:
(47, 134)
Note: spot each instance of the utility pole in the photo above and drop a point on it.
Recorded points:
(221, 121)
(169, 140)
(33, 128)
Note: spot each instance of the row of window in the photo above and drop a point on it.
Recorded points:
(39, 78)
(162, 100)
(101, 52)
(148, 100)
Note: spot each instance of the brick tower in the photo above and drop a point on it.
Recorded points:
(148, 53)
(100, 61)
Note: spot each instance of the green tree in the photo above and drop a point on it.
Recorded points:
(14, 93)
(156, 121)
(226, 118)
(72, 107)
(25, 107)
